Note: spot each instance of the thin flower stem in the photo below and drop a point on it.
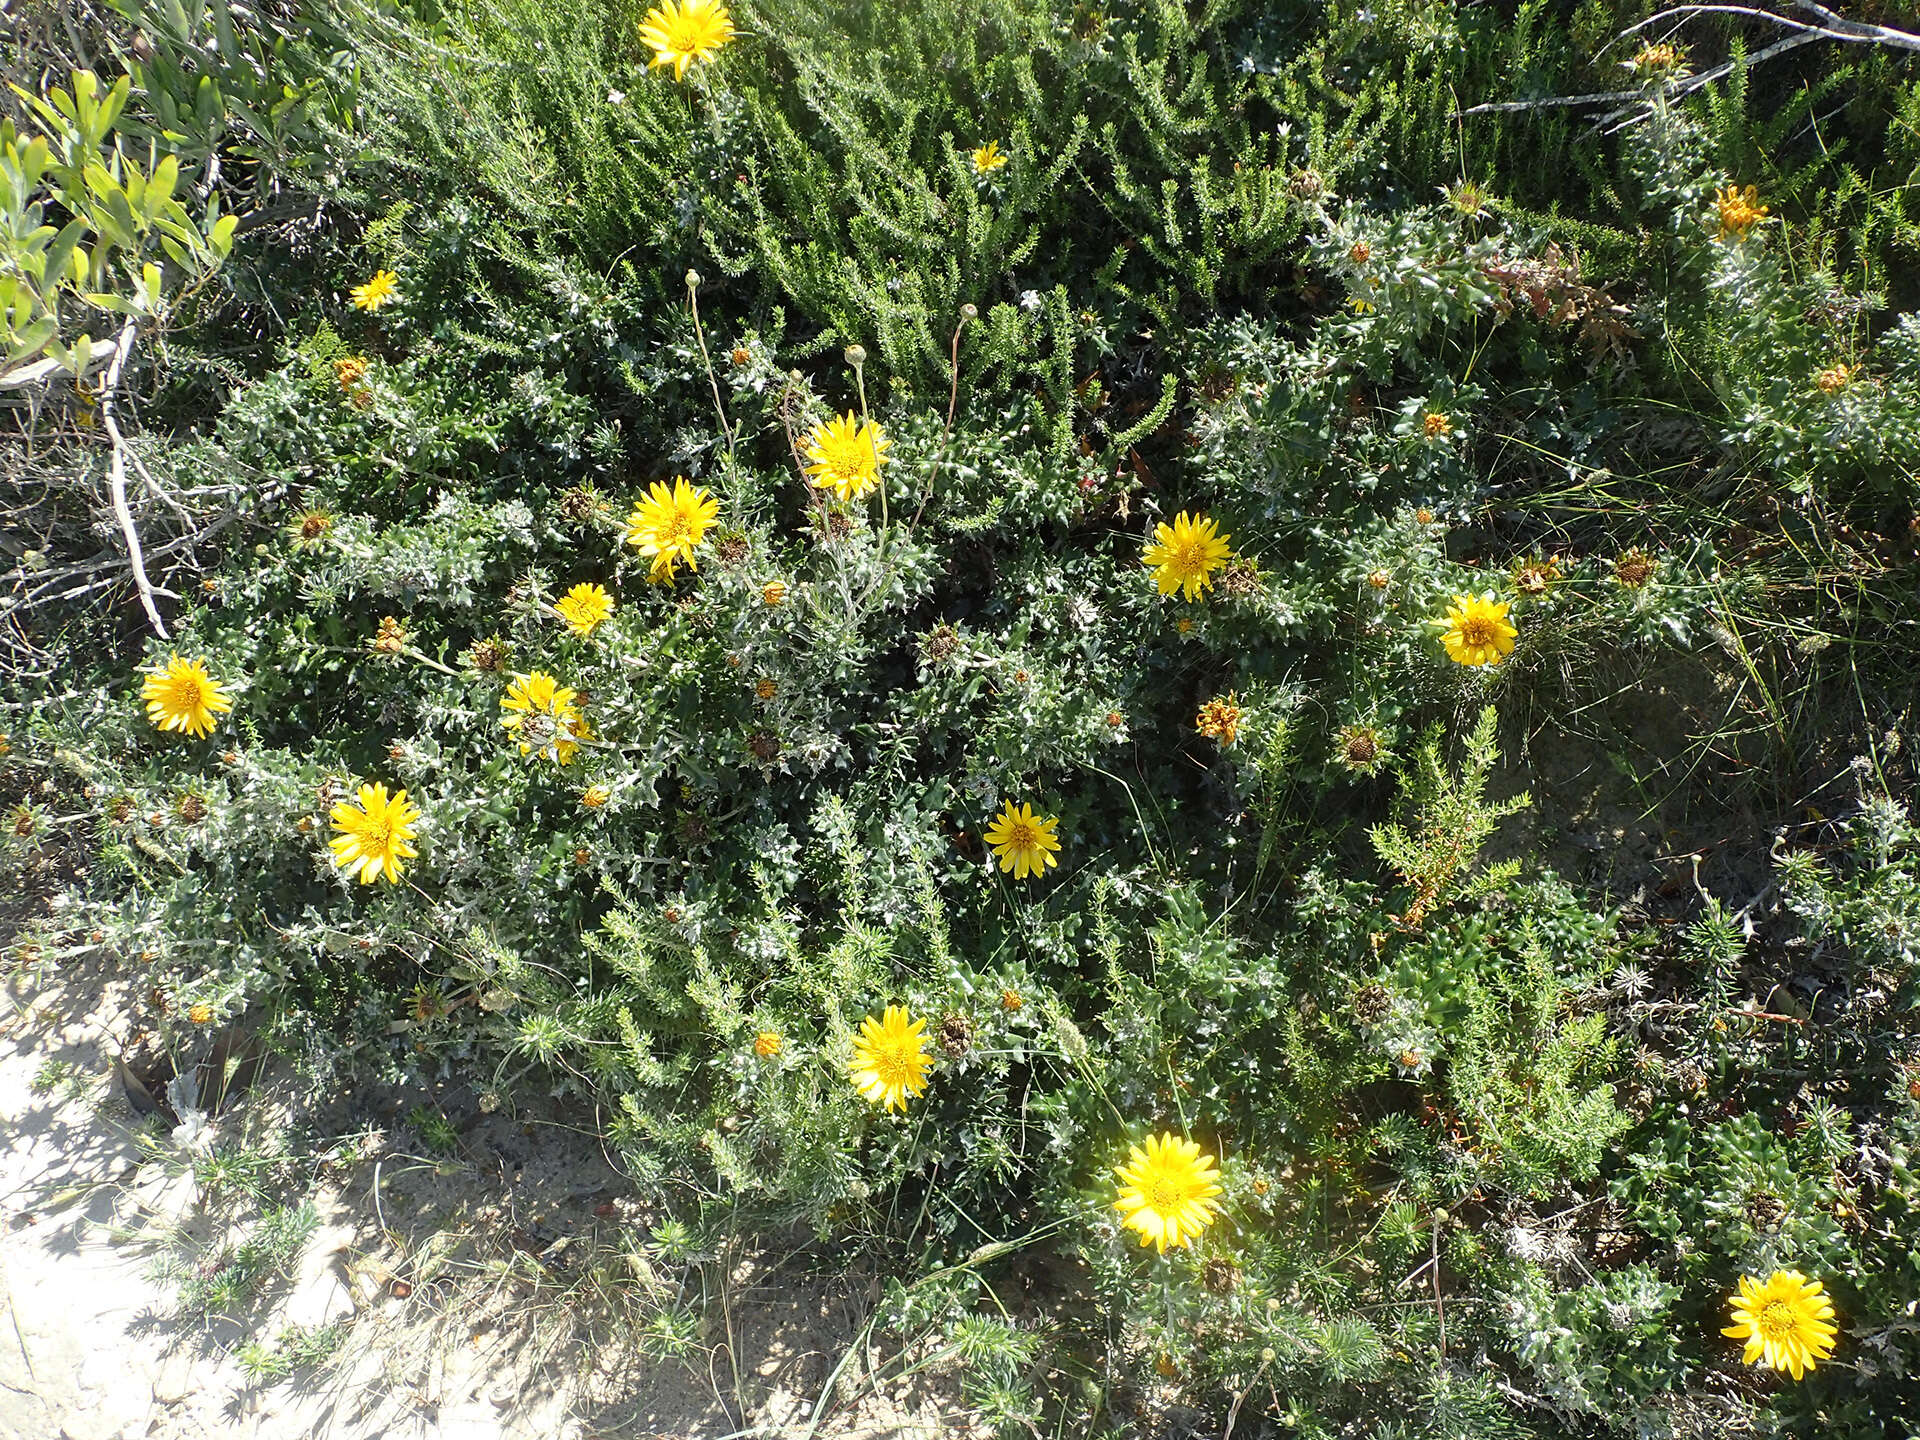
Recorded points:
(953, 368)
(693, 300)
(967, 312)
(413, 654)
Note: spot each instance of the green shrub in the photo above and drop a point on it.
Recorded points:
(1499, 1128)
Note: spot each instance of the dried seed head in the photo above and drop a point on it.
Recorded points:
(1372, 1004)
(1634, 569)
(487, 655)
(942, 644)
(956, 1034)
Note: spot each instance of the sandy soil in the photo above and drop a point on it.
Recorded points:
(461, 1281)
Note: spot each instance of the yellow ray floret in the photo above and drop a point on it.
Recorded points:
(1476, 630)
(374, 834)
(1184, 555)
(890, 1060)
(845, 456)
(181, 695)
(670, 524)
(544, 715)
(1023, 842)
(382, 290)
(685, 32)
(1739, 210)
(1167, 1191)
(584, 607)
(988, 158)
(1786, 1321)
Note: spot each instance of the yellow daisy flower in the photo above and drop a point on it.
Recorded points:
(1023, 841)
(542, 715)
(684, 32)
(774, 592)
(379, 292)
(890, 1060)
(1835, 378)
(584, 607)
(181, 695)
(988, 158)
(1184, 555)
(594, 796)
(374, 834)
(1220, 720)
(1477, 631)
(846, 456)
(1166, 1191)
(767, 1044)
(574, 732)
(670, 524)
(1740, 210)
(1787, 1321)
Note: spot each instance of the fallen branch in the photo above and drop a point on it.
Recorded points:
(1829, 27)
(47, 368)
(117, 479)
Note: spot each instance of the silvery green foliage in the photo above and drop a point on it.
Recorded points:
(1496, 1139)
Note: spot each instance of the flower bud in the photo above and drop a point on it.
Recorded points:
(856, 355)
(693, 279)
(969, 312)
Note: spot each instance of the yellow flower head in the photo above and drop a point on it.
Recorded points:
(1219, 720)
(670, 524)
(1023, 841)
(846, 456)
(774, 592)
(1740, 210)
(201, 1013)
(1184, 555)
(1166, 1191)
(988, 158)
(374, 834)
(1477, 631)
(350, 371)
(1835, 378)
(768, 1044)
(379, 292)
(683, 32)
(584, 607)
(1662, 59)
(890, 1060)
(390, 638)
(181, 695)
(594, 796)
(1787, 1322)
(1437, 424)
(542, 714)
